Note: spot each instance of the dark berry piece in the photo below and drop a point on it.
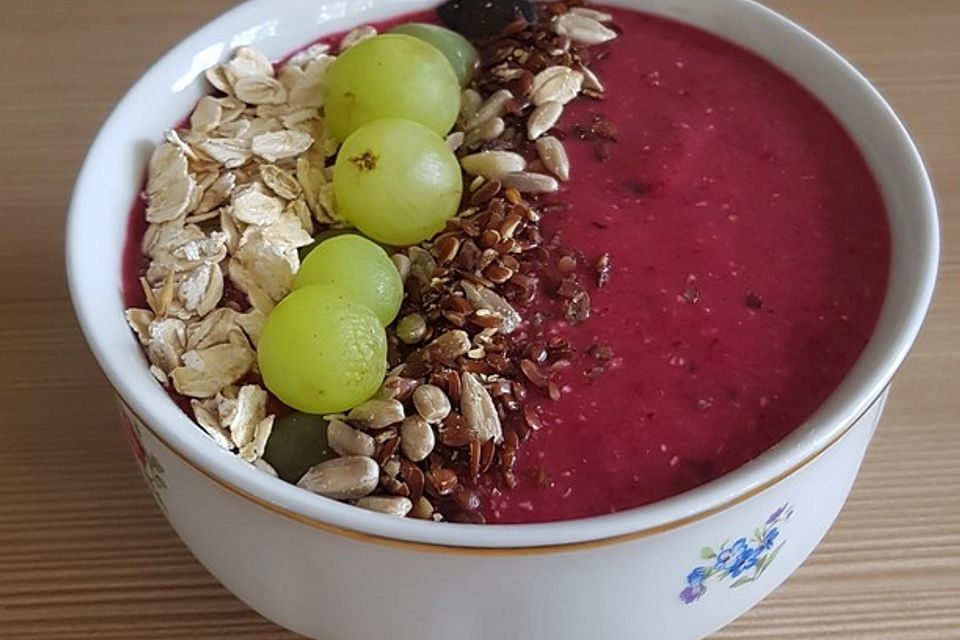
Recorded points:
(483, 18)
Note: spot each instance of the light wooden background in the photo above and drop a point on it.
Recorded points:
(85, 554)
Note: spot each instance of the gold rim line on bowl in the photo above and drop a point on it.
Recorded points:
(429, 547)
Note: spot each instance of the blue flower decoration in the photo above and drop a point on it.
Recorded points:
(743, 561)
(729, 556)
(770, 537)
(697, 576)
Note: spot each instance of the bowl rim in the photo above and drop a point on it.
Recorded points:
(837, 415)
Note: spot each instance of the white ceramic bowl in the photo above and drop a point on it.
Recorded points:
(331, 571)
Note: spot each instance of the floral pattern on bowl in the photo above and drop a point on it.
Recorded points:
(744, 560)
(150, 467)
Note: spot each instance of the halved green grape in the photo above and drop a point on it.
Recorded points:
(390, 76)
(320, 352)
(297, 442)
(462, 55)
(360, 268)
(397, 181)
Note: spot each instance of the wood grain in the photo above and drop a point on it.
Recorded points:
(85, 554)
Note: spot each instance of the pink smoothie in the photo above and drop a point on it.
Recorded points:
(749, 251)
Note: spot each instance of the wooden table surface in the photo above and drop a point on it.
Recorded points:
(85, 553)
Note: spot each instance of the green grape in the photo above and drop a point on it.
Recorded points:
(397, 181)
(462, 55)
(360, 269)
(297, 442)
(326, 234)
(320, 352)
(318, 239)
(390, 76)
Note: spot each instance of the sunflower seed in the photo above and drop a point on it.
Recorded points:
(391, 505)
(417, 439)
(470, 101)
(527, 182)
(455, 140)
(422, 264)
(378, 413)
(599, 16)
(347, 441)
(493, 164)
(492, 107)
(402, 263)
(590, 81)
(543, 118)
(342, 478)
(557, 83)
(554, 157)
(431, 402)
(483, 298)
(583, 29)
(478, 409)
(489, 130)
(451, 345)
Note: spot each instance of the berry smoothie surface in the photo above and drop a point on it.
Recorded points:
(749, 252)
(748, 257)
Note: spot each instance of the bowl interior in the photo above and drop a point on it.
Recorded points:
(111, 178)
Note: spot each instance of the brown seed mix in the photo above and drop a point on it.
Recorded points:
(413, 477)
(441, 482)
(386, 450)
(397, 388)
(455, 432)
(601, 352)
(553, 391)
(531, 419)
(567, 264)
(485, 193)
(533, 373)
(602, 268)
(577, 308)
